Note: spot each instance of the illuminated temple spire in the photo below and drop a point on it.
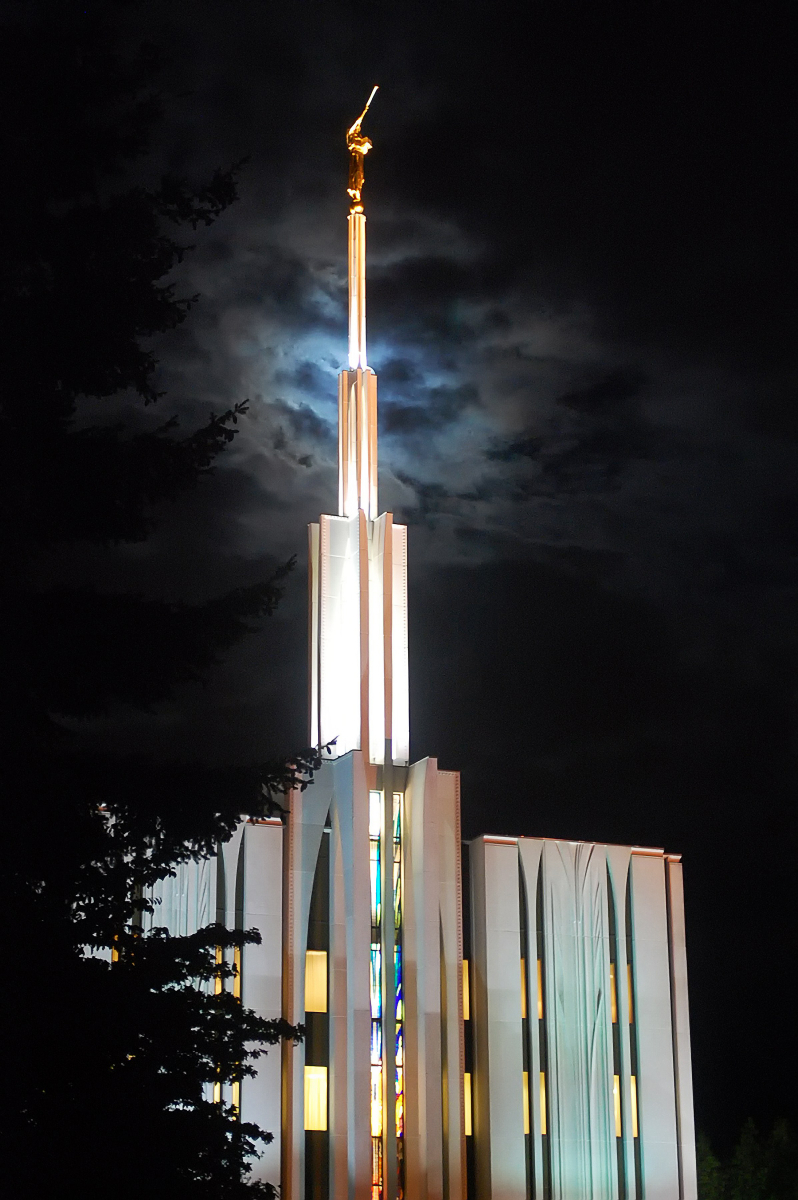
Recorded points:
(358, 559)
(357, 386)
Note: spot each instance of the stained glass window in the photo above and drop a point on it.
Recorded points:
(374, 871)
(376, 982)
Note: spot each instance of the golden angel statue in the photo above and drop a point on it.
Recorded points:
(358, 147)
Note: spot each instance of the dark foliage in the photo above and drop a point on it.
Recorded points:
(759, 1168)
(113, 1063)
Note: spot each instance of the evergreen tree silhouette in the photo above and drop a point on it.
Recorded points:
(110, 1065)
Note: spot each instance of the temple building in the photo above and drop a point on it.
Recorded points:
(501, 1019)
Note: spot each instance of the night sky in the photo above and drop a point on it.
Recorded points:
(581, 308)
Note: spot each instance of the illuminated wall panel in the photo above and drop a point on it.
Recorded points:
(656, 1081)
(359, 690)
(261, 897)
(498, 1084)
(580, 1066)
(400, 727)
(378, 629)
(340, 649)
(681, 1031)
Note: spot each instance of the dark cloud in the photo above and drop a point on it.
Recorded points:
(608, 394)
(399, 371)
(436, 408)
(526, 447)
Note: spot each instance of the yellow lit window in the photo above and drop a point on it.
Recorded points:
(523, 989)
(218, 982)
(631, 1001)
(236, 1098)
(217, 1093)
(634, 1106)
(237, 976)
(316, 981)
(315, 1097)
(526, 1101)
(616, 1102)
(467, 1095)
(613, 995)
(540, 990)
(466, 993)
(543, 1102)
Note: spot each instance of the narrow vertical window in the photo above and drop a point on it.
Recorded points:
(526, 1101)
(317, 1029)
(543, 1186)
(467, 1097)
(523, 989)
(636, 1184)
(399, 1002)
(235, 1091)
(617, 1057)
(376, 1101)
(630, 993)
(375, 814)
(237, 969)
(316, 981)
(315, 1098)
(376, 868)
(466, 993)
(374, 874)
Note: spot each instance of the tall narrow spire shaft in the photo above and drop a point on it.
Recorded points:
(357, 291)
(357, 393)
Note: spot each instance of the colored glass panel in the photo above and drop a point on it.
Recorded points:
(376, 982)
(400, 1083)
(397, 894)
(376, 1043)
(376, 1168)
(374, 873)
(398, 981)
